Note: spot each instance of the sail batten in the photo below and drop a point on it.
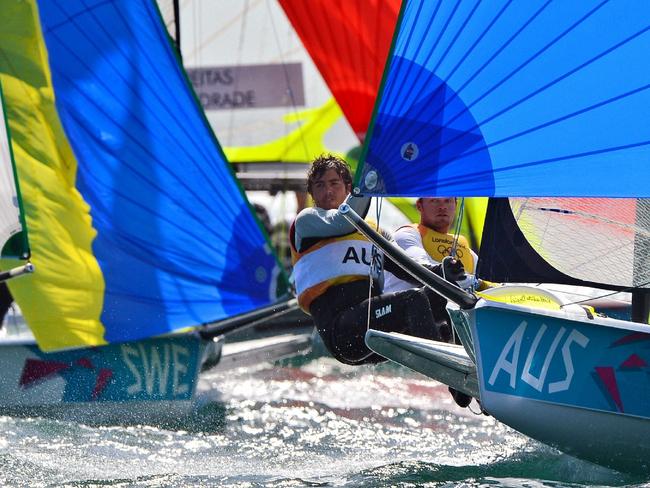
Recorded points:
(513, 98)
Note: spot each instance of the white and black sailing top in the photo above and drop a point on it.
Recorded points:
(327, 250)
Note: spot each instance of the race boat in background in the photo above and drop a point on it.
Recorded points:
(145, 248)
(546, 102)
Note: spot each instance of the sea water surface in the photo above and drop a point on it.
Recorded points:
(299, 423)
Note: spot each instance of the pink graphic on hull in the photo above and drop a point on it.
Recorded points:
(608, 377)
(631, 338)
(634, 362)
(37, 370)
(103, 378)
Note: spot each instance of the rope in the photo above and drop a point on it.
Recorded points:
(459, 222)
(624, 290)
(452, 253)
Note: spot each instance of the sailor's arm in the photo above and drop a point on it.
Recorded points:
(410, 240)
(479, 284)
(317, 223)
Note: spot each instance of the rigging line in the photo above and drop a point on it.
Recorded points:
(196, 33)
(238, 63)
(459, 222)
(199, 48)
(624, 290)
(374, 258)
(285, 71)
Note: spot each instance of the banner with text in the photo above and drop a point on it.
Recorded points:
(251, 86)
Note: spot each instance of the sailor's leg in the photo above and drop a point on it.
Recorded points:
(439, 309)
(406, 311)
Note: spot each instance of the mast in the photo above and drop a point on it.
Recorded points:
(641, 295)
(177, 28)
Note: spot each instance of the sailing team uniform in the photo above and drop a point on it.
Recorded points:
(426, 245)
(339, 281)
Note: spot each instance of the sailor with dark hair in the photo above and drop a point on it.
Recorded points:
(339, 276)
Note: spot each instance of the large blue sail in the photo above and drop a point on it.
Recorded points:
(159, 213)
(513, 98)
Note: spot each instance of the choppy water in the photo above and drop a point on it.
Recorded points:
(284, 425)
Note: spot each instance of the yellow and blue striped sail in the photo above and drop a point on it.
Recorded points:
(513, 98)
(137, 224)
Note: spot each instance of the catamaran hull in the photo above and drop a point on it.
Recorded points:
(579, 383)
(151, 380)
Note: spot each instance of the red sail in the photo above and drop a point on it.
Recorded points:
(349, 42)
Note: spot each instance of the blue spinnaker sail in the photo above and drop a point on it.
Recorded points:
(513, 98)
(162, 236)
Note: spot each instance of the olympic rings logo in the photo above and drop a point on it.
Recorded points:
(446, 251)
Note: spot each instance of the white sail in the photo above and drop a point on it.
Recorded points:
(590, 239)
(256, 41)
(10, 222)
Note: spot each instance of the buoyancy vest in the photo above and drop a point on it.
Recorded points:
(331, 261)
(438, 246)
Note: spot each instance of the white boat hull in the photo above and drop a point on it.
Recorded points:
(447, 363)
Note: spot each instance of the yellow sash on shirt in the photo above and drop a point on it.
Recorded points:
(438, 246)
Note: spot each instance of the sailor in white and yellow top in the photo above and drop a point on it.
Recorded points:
(333, 265)
(429, 242)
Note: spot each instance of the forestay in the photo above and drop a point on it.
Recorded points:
(513, 99)
(138, 226)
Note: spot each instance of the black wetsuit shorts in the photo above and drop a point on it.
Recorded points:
(341, 317)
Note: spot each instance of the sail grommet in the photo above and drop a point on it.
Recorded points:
(409, 151)
(371, 180)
